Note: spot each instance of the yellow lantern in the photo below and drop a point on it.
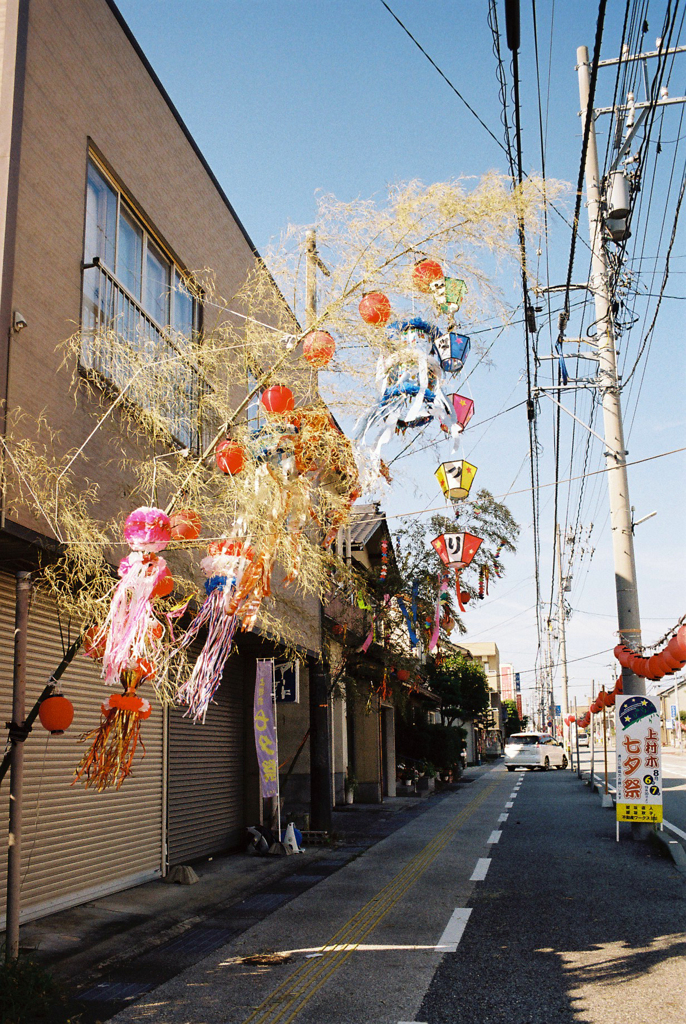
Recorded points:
(456, 478)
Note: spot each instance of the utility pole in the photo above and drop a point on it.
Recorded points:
(615, 457)
(320, 744)
(563, 642)
(17, 736)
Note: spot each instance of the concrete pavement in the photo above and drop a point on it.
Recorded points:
(507, 900)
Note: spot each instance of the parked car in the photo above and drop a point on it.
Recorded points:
(534, 750)
(583, 739)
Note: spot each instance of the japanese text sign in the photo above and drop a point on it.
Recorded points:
(639, 768)
(265, 729)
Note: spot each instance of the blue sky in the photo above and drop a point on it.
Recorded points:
(288, 98)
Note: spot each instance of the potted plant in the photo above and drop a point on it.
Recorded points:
(351, 786)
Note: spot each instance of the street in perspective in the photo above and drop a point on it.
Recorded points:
(342, 632)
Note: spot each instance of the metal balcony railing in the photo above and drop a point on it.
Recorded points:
(150, 362)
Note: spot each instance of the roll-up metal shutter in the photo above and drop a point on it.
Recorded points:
(77, 844)
(205, 806)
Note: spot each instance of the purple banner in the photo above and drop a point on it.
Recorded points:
(265, 728)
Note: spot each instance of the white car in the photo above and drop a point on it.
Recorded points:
(534, 750)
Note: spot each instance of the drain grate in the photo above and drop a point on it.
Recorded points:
(296, 881)
(263, 901)
(114, 991)
(195, 943)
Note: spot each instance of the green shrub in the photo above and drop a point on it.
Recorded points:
(28, 994)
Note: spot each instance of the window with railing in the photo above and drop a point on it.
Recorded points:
(140, 323)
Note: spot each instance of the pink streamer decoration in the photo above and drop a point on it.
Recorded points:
(131, 614)
(208, 670)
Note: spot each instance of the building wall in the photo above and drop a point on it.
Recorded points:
(367, 754)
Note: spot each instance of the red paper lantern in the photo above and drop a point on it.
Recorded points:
(425, 272)
(186, 523)
(56, 714)
(164, 585)
(278, 398)
(609, 698)
(318, 349)
(681, 640)
(622, 653)
(673, 649)
(403, 675)
(655, 667)
(230, 457)
(375, 309)
(464, 597)
(619, 685)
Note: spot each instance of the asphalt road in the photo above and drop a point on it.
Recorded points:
(673, 782)
(507, 901)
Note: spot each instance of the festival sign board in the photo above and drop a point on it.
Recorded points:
(265, 728)
(639, 767)
(287, 682)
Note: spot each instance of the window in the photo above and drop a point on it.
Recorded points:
(133, 289)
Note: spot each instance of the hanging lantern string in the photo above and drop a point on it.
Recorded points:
(663, 639)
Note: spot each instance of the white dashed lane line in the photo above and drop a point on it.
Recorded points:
(513, 795)
(503, 817)
(481, 869)
(493, 838)
(454, 930)
(509, 805)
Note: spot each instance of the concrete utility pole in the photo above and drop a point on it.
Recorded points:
(615, 457)
(17, 765)
(563, 641)
(320, 744)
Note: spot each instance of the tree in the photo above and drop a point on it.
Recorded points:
(418, 562)
(461, 684)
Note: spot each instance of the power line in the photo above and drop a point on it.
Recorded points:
(443, 76)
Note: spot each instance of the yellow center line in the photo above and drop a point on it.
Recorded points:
(307, 979)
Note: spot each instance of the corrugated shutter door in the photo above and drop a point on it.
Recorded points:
(77, 844)
(206, 774)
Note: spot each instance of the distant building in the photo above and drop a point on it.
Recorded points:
(507, 682)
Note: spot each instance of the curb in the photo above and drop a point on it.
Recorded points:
(672, 848)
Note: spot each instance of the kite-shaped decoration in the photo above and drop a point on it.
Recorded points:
(456, 550)
(456, 478)
(464, 409)
(448, 293)
(452, 350)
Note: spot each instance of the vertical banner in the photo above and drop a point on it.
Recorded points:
(265, 728)
(639, 768)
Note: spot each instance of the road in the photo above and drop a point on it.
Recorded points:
(507, 901)
(673, 781)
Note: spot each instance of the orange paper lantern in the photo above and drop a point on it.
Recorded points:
(186, 523)
(230, 457)
(318, 349)
(56, 714)
(278, 398)
(375, 309)
(425, 272)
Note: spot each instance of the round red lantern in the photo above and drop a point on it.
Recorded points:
(164, 585)
(278, 398)
(230, 457)
(56, 714)
(425, 272)
(673, 649)
(185, 524)
(318, 349)
(464, 596)
(681, 640)
(375, 309)
(403, 675)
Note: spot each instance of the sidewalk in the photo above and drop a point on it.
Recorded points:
(98, 951)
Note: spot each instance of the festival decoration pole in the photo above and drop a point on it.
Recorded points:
(320, 747)
(17, 737)
(276, 746)
(604, 736)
